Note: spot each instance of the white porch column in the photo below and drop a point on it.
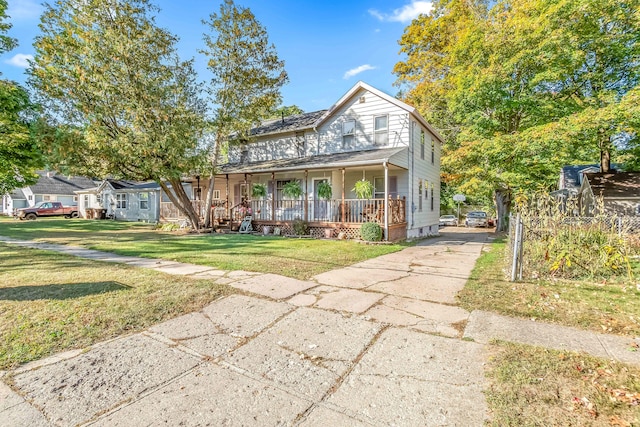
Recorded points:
(386, 201)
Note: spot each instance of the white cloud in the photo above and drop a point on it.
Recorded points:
(355, 71)
(24, 9)
(406, 13)
(19, 60)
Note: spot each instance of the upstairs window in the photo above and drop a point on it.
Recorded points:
(381, 130)
(144, 201)
(348, 133)
(422, 144)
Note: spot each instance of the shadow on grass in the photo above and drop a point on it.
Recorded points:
(59, 291)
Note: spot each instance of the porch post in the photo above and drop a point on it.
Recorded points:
(227, 197)
(273, 196)
(386, 201)
(342, 204)
(245, 187)
(306, 195)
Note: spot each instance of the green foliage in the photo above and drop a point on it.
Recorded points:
(300, 227)
(363, 189)
(105, 70)
(371, 232)
(522, 88)
(6, 43)
(292, 189)
(324, 190)
(286, 110)
(258, 190)
(19, 152)
(247, 73)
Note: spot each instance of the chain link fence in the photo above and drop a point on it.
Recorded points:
(523, 230)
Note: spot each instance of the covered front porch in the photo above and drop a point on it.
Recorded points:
(342, 212)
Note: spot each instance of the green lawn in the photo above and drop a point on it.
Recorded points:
(50, 302)
(532, 386)
(297, 258)
(612, 306)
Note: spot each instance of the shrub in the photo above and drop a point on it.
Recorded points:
(371, 232)
(300, 227)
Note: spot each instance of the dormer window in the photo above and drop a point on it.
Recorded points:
(348, 133)
(381, 130)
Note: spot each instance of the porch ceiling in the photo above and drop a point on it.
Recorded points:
(327, 161)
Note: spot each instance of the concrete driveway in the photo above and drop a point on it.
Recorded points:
(376, 343)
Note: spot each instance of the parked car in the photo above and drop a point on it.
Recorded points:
(476, 219)
(448, 220)
(47, 209)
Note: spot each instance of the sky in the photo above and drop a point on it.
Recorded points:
(327, 45)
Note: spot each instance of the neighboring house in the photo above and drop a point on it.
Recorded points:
(620, 193)
(50, 186)
(366, 135)
(129, 201)
(571, 178)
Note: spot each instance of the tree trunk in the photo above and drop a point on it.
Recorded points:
(181, 201)
(209, 200)
(503, 207)
(212, 181)
(605, 151)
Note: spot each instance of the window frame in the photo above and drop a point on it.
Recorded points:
(433, 152)
(348, 138)
(143, 197)
(380, 131)
(121, 200)
(422, 143)
(216, 194)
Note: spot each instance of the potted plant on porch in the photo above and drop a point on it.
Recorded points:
(325, 192)
(363, 189)
(292, 189)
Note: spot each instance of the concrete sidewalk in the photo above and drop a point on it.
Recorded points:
(376, 343)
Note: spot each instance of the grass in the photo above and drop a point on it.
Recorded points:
(532, 386)
(611, 307)
(297, 258)
(51, 302)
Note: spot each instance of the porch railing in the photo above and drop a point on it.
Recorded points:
(169, 211)
(352, 211)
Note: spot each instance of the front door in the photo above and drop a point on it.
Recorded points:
(321, 207)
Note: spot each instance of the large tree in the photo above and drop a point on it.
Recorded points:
(528, 86)
(118, 99)
(247, 76)
(19, 154)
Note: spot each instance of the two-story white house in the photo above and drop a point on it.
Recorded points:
(366, 135)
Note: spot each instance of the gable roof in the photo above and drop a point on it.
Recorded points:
(17, 194)
(570, 174)
(615, 185)
(362, 85)
(52, 183)
(312, 120)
